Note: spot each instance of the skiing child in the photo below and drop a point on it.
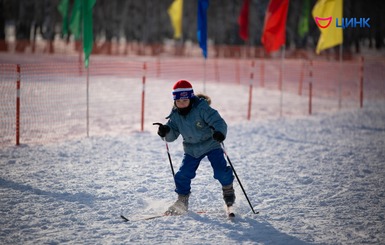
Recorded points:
(202, 129)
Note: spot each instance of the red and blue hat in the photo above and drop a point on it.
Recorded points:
(182, 90)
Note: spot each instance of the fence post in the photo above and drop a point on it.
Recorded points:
(262, 82)
(362, 83)
(301, 78)
(310, 97)
(237, 72)
(310, 85)
(143, 95)
(18, 105)
(250, 90)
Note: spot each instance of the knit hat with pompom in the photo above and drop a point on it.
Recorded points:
(182, 90)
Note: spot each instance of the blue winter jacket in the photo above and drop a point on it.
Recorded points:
(196, 127)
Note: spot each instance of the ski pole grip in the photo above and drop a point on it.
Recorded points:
(160, 125)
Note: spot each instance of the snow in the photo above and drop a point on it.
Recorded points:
(316, 179)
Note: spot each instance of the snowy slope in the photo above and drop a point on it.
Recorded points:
(316, 179)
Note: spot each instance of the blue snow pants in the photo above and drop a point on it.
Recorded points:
(187, 171)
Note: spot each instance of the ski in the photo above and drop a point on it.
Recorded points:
(124, 218)
(127, 219)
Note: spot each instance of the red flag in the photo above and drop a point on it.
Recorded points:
(274, 35)
(243, 20)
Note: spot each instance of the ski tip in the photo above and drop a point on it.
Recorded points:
(124, 218)
(230, 212)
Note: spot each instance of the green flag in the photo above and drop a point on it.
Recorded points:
(75, 21)
(88, 37)
(303, 25)
(63, 10)
(81, 23)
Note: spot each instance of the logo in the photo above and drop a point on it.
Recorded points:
(183, 94)
(343, 22)
(353, 23)
(319, 20)
(199, 124)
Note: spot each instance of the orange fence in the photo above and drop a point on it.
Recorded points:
(61, 100)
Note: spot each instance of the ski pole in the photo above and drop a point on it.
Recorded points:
(168, 152)
(239, 181)
(169, 157)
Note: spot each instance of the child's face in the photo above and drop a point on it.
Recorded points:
(182, 103)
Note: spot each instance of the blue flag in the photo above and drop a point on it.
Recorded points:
(202, 25)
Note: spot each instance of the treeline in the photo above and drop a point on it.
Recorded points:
(147, 22)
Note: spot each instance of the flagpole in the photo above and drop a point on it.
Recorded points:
(281, 79)
(204, 76)
(340, 78)
(88, 100)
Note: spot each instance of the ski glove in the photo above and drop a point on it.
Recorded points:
(218, 136)
(163, 130)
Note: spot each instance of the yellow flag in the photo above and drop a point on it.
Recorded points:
(325, 14)
(175, 12)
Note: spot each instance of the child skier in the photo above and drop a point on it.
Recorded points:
(202, 129)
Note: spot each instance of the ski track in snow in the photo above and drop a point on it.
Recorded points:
(315, 180)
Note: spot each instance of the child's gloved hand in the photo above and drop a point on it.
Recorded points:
(218, 136)
(163, 130)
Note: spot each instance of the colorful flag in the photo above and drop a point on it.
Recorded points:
(81, 23)
(88, 37)
(75, 21)
(202, 25)
(175, 12)
(274, 35)
(63, 10)
(327, 10)
(243, 20)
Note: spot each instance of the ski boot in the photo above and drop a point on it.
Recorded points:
(228, 195)
(179, 207)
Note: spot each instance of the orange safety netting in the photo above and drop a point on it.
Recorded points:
(58, 101)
